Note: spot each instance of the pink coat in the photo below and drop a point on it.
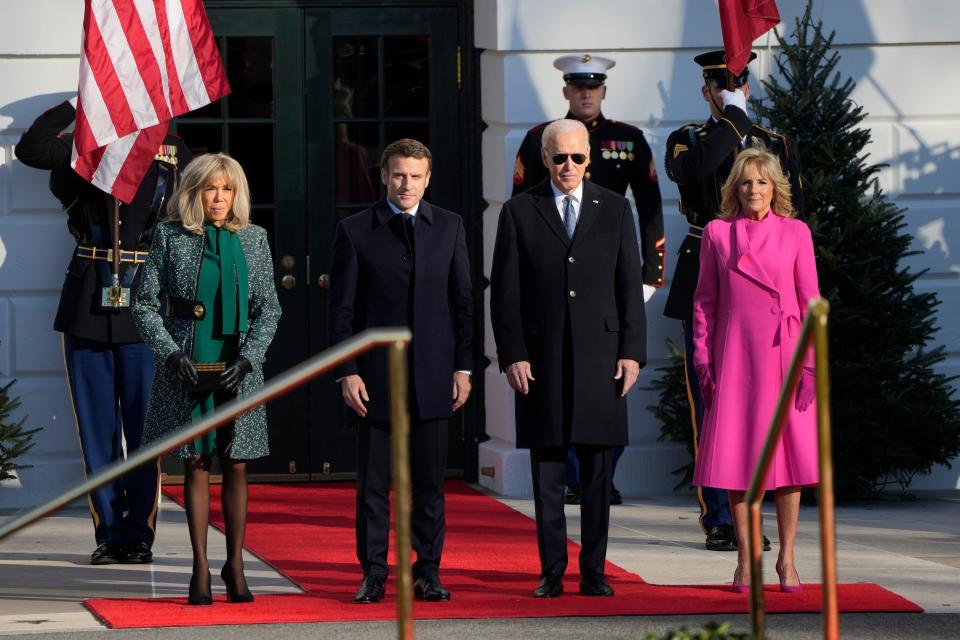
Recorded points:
(756, 279)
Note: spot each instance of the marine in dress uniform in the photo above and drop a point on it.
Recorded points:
(108, 367)
(619, 158)
(699, 157)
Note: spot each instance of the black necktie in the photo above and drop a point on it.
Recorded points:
(408, 233)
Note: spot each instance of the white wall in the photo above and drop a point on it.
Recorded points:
(39, 57)
(903, 57)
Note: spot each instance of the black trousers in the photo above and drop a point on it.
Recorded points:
(428, 460)
(548, 466)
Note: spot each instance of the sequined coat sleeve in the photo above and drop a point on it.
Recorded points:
(263, 304)
(146, 308)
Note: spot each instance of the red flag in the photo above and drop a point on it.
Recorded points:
(742, 22)
(142, 63)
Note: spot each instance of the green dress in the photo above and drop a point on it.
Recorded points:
(222, 287)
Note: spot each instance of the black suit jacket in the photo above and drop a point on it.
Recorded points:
(380, 278)
(570, 308)
(88, 208)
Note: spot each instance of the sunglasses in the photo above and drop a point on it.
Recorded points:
(561, 158)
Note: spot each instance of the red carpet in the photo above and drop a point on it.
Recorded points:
(489, 563)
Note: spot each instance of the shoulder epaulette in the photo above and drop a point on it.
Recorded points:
(775, 134)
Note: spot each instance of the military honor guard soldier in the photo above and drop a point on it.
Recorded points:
(699, 157)
(619, 157)
(109, 369)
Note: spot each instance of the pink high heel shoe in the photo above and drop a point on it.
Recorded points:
(739, 587)
(786, 588)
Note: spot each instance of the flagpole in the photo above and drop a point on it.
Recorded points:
(116, 295)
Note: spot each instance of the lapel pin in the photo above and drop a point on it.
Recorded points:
(596, 202)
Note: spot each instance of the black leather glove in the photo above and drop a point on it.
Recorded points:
(233, 375)
(182, 367)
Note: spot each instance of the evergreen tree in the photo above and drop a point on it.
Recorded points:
(14, 439)
(893, 415)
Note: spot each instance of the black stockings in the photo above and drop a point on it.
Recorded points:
(233, 499)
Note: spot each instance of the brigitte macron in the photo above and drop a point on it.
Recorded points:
(214, 271)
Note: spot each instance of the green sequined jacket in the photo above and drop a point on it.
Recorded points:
(172, 269)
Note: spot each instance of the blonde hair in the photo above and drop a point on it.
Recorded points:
(187, 202)
(767, 165)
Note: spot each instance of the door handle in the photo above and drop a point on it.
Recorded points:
(288, 282)
(324, 281)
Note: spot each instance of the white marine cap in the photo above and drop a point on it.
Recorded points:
(584, 69)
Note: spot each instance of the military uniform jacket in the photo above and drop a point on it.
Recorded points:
(571, 309)
(619, 157)
(699, 159)
(173, 269)
(89, 218)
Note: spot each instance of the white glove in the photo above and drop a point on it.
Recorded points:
(73, 101)
(735, 98)
(648, 292)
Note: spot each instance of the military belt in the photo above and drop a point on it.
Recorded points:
(96, 253)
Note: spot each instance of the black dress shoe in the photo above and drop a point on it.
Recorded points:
(429, 588)
(615, 497)
(371, 590)
(721, 538)
(107, 553)
(550, 587)
(199, 594)
(137, 553)
(595, 586)
(573, 495)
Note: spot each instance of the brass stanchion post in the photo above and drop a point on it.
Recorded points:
(400, 462)
(828, 542)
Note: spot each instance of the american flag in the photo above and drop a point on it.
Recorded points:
(142, 63)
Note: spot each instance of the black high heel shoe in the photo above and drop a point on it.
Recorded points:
(195, 595)
(230, 581)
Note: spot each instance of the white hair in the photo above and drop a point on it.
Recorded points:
(564, 125)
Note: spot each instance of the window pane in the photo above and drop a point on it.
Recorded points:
(252, 146)
(355, 82)
(250, 72)
(356, 163)
(201, 138)
(416, 130)
(406, 76)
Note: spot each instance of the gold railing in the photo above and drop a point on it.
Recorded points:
(396, 340)
(814, 330)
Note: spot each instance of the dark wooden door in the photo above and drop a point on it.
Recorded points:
(316, 95)
(261, 124)
(373, 76)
